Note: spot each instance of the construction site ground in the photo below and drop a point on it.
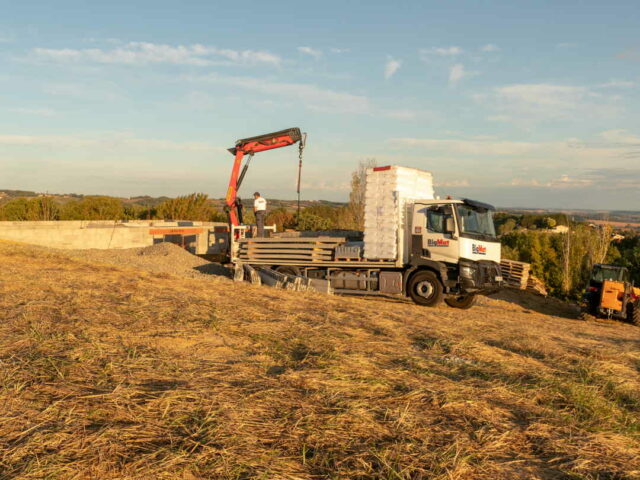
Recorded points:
(152, 364)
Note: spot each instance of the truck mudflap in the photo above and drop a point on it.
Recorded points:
(481, 276)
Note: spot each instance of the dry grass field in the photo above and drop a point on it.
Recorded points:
(111, 372)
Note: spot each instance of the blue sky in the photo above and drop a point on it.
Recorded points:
(517, 103)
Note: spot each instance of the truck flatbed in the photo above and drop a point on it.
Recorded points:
(301, 251)
(324, 263)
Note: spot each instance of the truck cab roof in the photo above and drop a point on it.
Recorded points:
(466, 201)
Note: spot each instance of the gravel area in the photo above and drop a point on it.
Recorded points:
(159, 258)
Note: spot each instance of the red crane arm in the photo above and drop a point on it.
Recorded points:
(249, 146)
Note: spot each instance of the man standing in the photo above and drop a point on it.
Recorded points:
(260, 209)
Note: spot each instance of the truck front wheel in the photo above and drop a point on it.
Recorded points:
(425, 288)
(461, 301)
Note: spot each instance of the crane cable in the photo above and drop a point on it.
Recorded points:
(303, 142)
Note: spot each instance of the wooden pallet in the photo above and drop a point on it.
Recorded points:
(536, 285)
(310, 249)
(515, 274)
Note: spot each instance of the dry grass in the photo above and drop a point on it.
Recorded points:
(108, 372)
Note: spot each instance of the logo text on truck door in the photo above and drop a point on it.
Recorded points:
(437, 243)
(478, 249)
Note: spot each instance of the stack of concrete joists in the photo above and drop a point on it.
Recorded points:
(267, 276)
(388, 189)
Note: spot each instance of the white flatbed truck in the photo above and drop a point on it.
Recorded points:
(444, 249)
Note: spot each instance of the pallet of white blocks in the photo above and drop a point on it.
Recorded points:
(277, 250)
(387, 191)
(515, 274)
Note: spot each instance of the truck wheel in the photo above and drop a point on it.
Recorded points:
(425, 289)
(461, 301)
(288, 270)
(633, 313)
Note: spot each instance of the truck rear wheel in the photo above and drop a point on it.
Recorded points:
(288, 270)
(461, 301)
(633, 313)
(425, 288)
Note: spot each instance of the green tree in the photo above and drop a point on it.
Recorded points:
(508, 226)
(309, 221)
(354, 218)
(15, 210)
(281, 218)
(195, 206)
(94, 208)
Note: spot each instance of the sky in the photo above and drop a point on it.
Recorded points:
(520, 104)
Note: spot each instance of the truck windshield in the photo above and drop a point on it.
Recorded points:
(476, 222)
(602, 273)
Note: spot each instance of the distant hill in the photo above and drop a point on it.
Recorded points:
(17, 193)
(615, 217)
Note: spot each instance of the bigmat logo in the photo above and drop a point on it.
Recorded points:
(479, 249)
(437, 243)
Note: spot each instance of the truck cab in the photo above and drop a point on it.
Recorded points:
(456, 241)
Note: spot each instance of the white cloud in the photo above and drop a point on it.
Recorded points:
(325, 186)
(499, 118)
(441, 51)
(37, 112)
(309, 95)
(543, 94)
(144, 53)
(618, 84)
(550, 158)
(564, 181)
(620, 137)
(120, 140)
(391, 67)
(468, 147)
(534, 102)
(453, 183)
(340, 50)
(521, 182)
(401, 114)
(456, 73)
(312, 52)
(490, 47)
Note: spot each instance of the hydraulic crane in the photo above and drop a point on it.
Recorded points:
(249, 147)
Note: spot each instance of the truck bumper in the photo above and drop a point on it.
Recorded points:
(482, 276)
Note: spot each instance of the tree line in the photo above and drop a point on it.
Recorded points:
(563, 261)
(195, 206)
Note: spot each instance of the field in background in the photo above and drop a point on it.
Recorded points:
(616, 225)
(114, 372)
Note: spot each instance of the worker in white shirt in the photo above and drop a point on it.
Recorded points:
(260, 209)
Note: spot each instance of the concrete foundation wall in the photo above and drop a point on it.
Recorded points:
(94, 234)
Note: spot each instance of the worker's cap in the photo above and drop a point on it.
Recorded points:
(256, 194)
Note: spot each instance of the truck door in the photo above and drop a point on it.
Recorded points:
(440, 244)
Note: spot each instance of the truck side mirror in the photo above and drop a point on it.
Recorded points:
(449, 225)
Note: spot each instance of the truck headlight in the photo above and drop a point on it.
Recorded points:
(466, 272)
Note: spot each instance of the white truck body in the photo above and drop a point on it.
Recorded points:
(414, 245)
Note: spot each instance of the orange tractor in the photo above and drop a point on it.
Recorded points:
(611, 295)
